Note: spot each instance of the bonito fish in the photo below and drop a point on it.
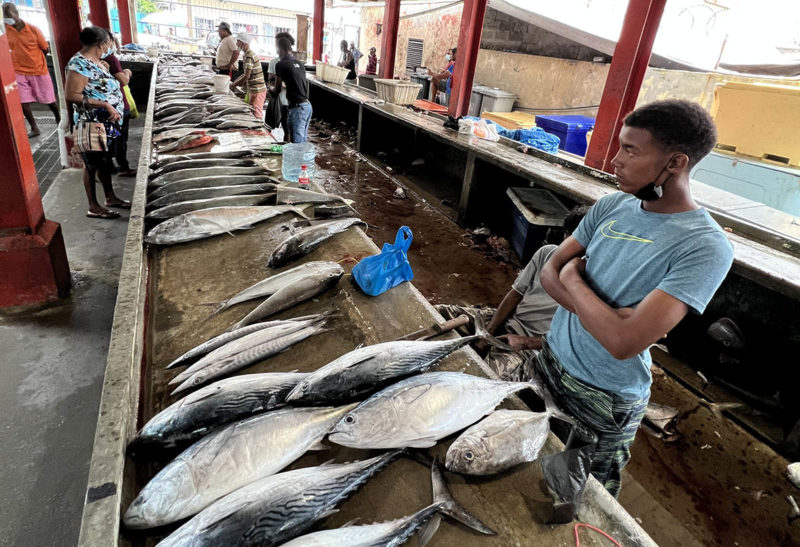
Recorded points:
(183, 207)
(397, 532)
(304, 240)
(274, 283)
(228, 459)
(230, 336)
(214, 221)
(198, 172)
(178, 133)
(215, 405)
(418, 411)
(209, 182)
(365, 370)
(186, 142)
(293, 294)
(241, 153)
(278, 508)
(289, 195)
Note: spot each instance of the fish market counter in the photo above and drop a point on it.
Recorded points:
(163, 310)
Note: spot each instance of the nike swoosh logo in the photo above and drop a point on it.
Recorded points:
(608, 231)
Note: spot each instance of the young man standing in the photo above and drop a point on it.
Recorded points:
(253, 77)
(292, 72)
(28, 48)
(637, 264)
(227, 51)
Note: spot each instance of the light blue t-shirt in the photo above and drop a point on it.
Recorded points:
(630, 253)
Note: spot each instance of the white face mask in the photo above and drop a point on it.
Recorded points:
(8, 21)
(446, 56)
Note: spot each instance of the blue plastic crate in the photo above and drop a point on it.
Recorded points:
(570, 129)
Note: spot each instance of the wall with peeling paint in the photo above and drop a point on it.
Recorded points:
(438, 29)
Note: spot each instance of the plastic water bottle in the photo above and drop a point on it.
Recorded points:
(302, 178)
(295, 155)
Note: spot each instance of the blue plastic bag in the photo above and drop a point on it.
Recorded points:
(378, 273)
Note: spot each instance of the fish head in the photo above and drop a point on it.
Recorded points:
(356, 429)
(298, 393)
(162, 500)
(469, 455)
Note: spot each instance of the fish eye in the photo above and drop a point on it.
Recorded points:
(350, 419)
(303, 387)
(469, 456)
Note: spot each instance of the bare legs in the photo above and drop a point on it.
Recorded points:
(26, 110)
(101, 167)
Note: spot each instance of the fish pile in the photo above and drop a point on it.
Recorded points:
(237, 433)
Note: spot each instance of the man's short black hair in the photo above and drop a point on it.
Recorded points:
(574, 218)
(680, 126)
(454, 50)
(283, 44)
(286, 35)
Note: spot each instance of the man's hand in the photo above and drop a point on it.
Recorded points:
(521, 342)
(575, 267)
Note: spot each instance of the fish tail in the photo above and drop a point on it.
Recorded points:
(552, 408)
(217, 306)
(447, 505)
(483, 334)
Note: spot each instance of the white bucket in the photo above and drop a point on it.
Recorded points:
(152, 51)
(221, 83)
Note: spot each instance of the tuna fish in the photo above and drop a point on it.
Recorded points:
(228, 365)
(302, 241)
(293, 294)
(418, 411)
(186, 142)
(208, 172)
(274, 283)
(178, 133)
(500, 441)
(216, 405)
(223, 461)
(181, 167)
(226, 154)
(180, 208)
(399, 531)
(215, 221)
(278, 508)
(289, 195)
(211, 192)
(365, 370)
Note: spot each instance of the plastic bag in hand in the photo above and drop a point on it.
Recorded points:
(379, 273)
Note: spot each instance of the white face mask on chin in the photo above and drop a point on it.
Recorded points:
(9, 21)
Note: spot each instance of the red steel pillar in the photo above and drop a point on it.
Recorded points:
(65, 18)
(33, 260)
(319, 29)
(391, 24)
(124, 12)
(631, 57)
(469, 42)
(98, 13)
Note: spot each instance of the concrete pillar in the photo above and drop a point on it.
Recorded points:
(391, 24)
(319, 29)
(33, 260)
(302, 33)
(628, 66)
(98, 13)
(469, 42)
(124, 11)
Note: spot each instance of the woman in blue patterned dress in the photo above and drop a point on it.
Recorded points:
(94, 94)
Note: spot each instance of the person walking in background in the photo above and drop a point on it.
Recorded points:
(94, 95)
(123, 76)
(346, 61)
(253, 77)
(357, 55)
(227, 52)
(281, 93)
(291, 72)
(28, 48)
(372, 62)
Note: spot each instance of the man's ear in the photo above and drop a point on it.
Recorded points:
(678, 162)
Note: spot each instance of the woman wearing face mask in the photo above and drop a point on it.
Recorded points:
(92, 93)
(443, 79)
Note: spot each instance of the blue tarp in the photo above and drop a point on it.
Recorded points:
(535, 137)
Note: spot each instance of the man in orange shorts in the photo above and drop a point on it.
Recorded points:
(28, 48)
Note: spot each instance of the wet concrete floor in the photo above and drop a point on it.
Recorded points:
(723, 486)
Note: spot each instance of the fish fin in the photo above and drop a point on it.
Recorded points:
(552, 408)
(350, 522)
(218, 306)
(483, 334)
(303, 210)
(422, 456)
(423, 442)
(319, 446)
(428, 529)
(450, 507)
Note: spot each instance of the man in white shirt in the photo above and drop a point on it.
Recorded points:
(227, 50)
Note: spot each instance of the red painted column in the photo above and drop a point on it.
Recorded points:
(98, 13)
(124, 12)
(33, 260)
(631, 57)
(66, 20)
(391, 24)
(319, 29)
(469, 42)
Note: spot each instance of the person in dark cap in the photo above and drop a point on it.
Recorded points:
(227, 50)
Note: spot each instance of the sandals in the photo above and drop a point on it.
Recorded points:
(107, 214)
(121, 205)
